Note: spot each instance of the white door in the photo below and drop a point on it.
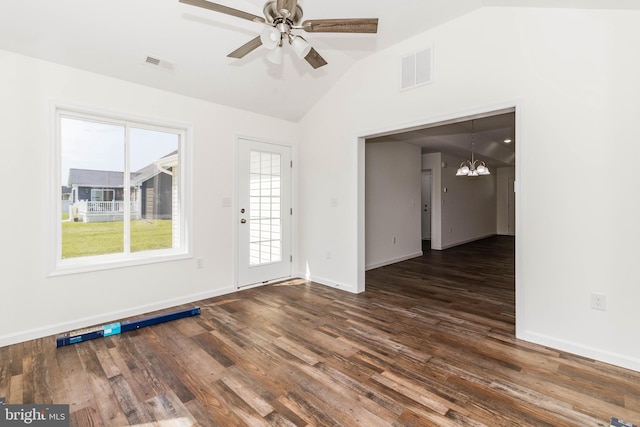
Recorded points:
(426, 205)
(264, 212)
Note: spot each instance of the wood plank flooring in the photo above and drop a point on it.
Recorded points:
(431, 342)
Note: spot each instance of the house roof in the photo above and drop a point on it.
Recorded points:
(96, 178)
(113, 179)
(161, 165)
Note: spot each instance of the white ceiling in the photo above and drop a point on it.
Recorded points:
(113, 37)
(456, 138)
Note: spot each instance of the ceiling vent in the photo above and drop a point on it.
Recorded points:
(157, 63)
(417, 69)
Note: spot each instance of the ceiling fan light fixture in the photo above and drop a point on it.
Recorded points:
(282, 16)
(270, 37)
(300, 46)
(275, 56)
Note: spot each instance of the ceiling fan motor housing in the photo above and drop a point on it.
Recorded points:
(273, 15)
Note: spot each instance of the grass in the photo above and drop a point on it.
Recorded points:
(99, 238)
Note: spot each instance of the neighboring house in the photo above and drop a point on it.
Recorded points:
(154, 184)
(66, 193)
(98, 195)
(66, 198)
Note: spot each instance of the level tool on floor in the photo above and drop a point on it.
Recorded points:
(615, 422)
(86, 334)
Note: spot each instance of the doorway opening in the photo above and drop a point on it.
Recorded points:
(462, 209)
(426, 184)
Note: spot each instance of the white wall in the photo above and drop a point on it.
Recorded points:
(468, 205)
(572, 75)
(392, 207)
(463, 208)
(433, 161)
(504, 210)
(32, 305)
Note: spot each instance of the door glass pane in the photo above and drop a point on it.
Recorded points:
(265, 207)
(154, 187)
(92, 168)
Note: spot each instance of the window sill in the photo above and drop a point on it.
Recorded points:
(109, 262)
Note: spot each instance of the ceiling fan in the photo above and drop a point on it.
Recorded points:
(281, 18)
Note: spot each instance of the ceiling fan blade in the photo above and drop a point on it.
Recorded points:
(314, 59)
(287, 5)
(224, 9)
(341, 25)
(246, 48)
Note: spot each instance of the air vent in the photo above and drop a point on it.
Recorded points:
(157, 63)
(153, 61)
(417, 69)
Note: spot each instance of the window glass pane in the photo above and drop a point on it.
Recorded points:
(92, 170)
(113, 171)
(155, 217)
(264, 213)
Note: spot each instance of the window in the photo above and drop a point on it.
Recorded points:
(126, 181)
(101, 195)
(264, 199)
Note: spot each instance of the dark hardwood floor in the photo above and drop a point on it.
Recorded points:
(431, 342)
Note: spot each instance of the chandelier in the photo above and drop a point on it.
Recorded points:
(473, 167)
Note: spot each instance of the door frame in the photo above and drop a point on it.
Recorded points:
(428, 172)
(235, 206)
(395, 127)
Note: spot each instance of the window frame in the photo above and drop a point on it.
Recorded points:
(103, 191)
(56, 264)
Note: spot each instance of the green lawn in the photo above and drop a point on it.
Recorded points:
(99, 238)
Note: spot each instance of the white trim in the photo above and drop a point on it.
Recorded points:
(477, 112)
(109, 262)
(60, 328)
(464, 242)
(581, 350)
(393, 261)
(332, 284)
(57, 266)
(236, 214)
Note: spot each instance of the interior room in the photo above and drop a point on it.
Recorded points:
(415, 195)
(169, 154)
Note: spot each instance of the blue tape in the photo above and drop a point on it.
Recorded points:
(111, 329)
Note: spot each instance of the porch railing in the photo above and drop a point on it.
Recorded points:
(85, 207)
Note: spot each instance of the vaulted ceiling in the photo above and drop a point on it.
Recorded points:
(115, 37)
(491, 136)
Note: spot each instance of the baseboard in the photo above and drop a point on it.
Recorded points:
(107, 317)
(605, 356)
(330, 283)
(467, 241)
(392, 261)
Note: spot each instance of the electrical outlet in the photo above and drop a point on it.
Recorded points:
(199, 263)
(327, 255)
(598, 302)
